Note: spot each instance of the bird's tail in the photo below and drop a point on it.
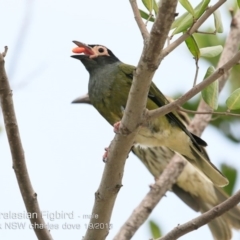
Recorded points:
(194, 188)
(205, 165)
(221, 226)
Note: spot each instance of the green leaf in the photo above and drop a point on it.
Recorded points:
(179, 20)
(218, 21)
(210, 52)
(238, 2)
(151, 5)
(210, 93)
(231, 174)
(148, 4)
(187, 21)
(202, 8)
(233, 101)
(187, 5)
(155, 7)
(155, 229)
(193, 47)
(184, 24)
(146, 16)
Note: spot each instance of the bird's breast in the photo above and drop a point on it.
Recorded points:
(108, 93)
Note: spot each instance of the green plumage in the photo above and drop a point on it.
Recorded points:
(105, 100)
(109, 86)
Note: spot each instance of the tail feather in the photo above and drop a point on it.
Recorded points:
(221, 226)
(233, 215)
(194, 188)
(207, 196)
(207, 168)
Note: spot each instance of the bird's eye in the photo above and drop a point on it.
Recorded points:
(101, 50)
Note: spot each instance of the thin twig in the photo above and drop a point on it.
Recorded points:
(149, 17)
(19, 165)
(196, 73)
(205, 218)
(209, 112)
(138, 18)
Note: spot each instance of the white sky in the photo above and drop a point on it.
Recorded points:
(64, 143)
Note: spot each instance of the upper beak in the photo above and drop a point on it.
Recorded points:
(83, 48)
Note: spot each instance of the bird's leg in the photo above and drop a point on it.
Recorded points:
(105, 155)
(116, 127)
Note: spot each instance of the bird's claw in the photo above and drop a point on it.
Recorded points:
(116, 127)
(105, 155)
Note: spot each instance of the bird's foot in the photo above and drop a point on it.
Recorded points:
(116, 127)
(105, 155)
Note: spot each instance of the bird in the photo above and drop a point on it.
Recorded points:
(109, 84)
(192, 186)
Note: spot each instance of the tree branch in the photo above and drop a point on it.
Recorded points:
(19, 164)
(138, 18)
(121, 145)
(196, 73)
(157, 191)
(205, 218)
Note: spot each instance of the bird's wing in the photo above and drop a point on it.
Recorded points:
(160, 100)
(127, 70)
(156, 96)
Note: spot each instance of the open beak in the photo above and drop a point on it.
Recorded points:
(83, 48)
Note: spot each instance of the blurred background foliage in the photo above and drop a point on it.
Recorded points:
(226, 124)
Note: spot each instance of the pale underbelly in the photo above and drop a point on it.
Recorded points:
(174, 139)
